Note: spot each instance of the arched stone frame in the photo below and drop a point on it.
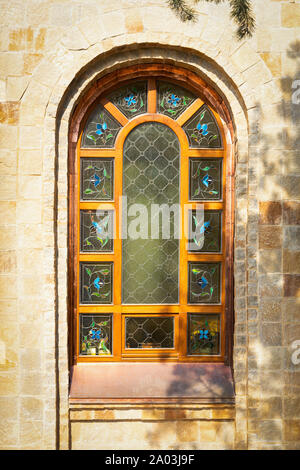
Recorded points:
(212, 97)
(54, 88)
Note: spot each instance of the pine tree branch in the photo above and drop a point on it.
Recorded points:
(240, 12)
(211, 1)
(183, 10)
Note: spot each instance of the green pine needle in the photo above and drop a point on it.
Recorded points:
(240, 12)
(183, 10)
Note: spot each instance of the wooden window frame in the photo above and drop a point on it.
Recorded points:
(97, 95)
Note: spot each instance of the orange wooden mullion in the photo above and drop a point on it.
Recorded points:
(189, 112)
(91, 153)
(152, 96)
(183, 263)
(117, 287)
(224, 245)
(114, 111)
(224, 215)
(205, 153)
(78, 246)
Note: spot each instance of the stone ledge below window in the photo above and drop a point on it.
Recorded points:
(138, 382)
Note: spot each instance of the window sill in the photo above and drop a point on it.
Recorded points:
(151, 383)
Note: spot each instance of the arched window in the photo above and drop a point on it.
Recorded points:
(147, 227)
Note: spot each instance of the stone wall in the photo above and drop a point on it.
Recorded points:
(187, 427)
(50, 53)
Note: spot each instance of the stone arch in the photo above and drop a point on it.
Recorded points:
(89, 94)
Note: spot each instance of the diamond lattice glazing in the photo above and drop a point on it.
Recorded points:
(150, 176)
(149, 332)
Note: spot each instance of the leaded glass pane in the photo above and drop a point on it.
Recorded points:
(131, 100)
(150, 176)
(205, 179)
(96, 231)
(95, 335)
(100, 130)
(173, 100)
(96, 283)
(205, 232)
(204, 283)
(149, 332)
(97, 179)
(202, 130)
(204, 335)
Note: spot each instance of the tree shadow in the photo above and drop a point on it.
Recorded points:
(274, 171)
(193, 390)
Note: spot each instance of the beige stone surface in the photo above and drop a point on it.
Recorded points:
(145, 435)
(290, 15)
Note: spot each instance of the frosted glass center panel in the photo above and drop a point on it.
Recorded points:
(150, 253)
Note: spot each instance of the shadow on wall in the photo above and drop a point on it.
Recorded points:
(274, 381)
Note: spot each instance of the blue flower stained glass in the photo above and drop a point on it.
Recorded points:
(204, 334)
(96, 179)
(131, 100)
(204, 283)
(205, 179)
(205, 233)
(100, 130)
(96, 283)
(96, 231)
(173, 100)
(202, 130)
(95, 335)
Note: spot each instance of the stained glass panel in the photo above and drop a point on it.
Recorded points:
(96, 231)
(173, 100)
(151, 176)
(204, 283)
(149, 332)
(97, 179)
(202, 130)
(100, 130)
(205, 179)
(95, 335)
(96, 283)
(204, 334)
(131, 100)
(205, 232)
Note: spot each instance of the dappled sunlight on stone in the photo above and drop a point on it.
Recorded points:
(52, 54)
